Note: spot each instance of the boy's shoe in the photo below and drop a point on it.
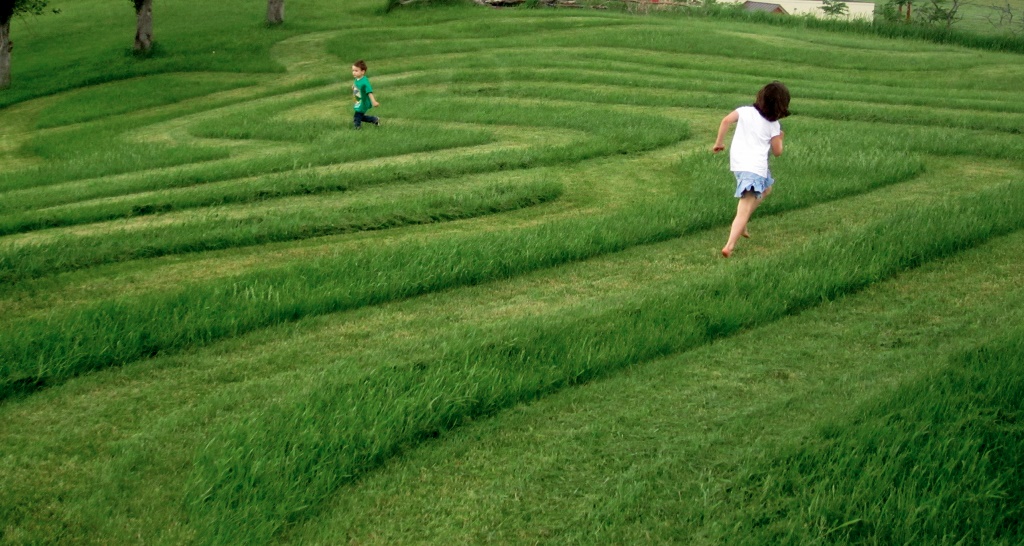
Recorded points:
(377, 123)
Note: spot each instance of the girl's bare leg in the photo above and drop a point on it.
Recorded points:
(746, 206)
(746, 234)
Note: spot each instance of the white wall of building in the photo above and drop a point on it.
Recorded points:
(855, 10)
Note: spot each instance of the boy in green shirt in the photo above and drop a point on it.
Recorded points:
(364, 96)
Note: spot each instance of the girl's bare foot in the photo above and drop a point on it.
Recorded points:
(746, 234)
(726, 252)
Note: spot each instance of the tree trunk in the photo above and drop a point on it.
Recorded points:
(5, 55)
(275, 12)
(144, 26)
(908, 11)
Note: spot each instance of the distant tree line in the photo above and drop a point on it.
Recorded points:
(143, 29)
(930, 12)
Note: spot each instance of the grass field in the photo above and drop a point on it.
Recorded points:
(501, 317)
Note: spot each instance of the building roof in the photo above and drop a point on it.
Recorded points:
(856, 10)
(764, 6)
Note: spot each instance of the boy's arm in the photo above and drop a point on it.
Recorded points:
(777, 143)
(723, 128)
(373, 101)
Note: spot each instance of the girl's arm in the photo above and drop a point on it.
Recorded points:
(777, 143)
(727, 121)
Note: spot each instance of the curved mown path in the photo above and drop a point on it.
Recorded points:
(236, 272)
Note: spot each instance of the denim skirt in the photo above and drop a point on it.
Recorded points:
(747, 181)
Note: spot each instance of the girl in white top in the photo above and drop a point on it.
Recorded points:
(757, 132)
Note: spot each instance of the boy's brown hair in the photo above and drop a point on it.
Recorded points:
(360, 64)
(773, 101)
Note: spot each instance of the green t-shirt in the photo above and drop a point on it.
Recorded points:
(362, 89)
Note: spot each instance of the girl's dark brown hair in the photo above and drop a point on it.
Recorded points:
(361, 65)
(773, 101)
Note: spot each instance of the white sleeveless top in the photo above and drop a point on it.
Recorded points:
(752, 142)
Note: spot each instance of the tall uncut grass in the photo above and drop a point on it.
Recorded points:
(256, 477)
(232, 181)
(938, 461)
(258, 227)
(47, 351)
(255, 180)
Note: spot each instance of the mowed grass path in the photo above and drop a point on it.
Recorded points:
(228, 318)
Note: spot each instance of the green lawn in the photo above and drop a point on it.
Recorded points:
(501, 317)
